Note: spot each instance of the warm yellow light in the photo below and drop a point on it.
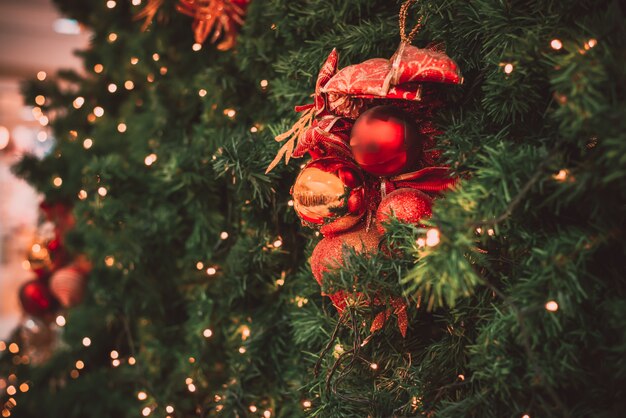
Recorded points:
(111, 4)
(80, 365)
(491, 232)
(461, 377)
(112, 88)
(374, 366)
(132, 361)
(552, 306)
(115, 363)
(11, 390)
(254, 129)
(264, 83)
(207, 333)
(163, 70)
(98, 68)
(112, 37)
(129, 85)
(267, 414)
(150, 78)
(432, 237)
(592, 42)
(155, 56)
(146, 411)
(114, 354)
(86, 341)
(196, 47)
(278, 243)
(26, 265)
(3, 346)
(192, 360)
(24, 387)
(290, 203)
(40, 100)
(242, 350)
(280, 282)
(60, 321)
(102, 191)
(82, 194)
(142, 396)
(91, 118)
(43, 120)
(134, 60)
(202, 92)
(57, 181)
(169, 409)
(199, 265)
(224, 235)
(78, 102)
(562, 175)
(109, 260)
(36, 248)
(150, 159)
(245, 332)
(211, 271)
(525, 416)
(508, 68)
(41, 75)
(98, 111)
(188, 381)
(230, 113)
(191, 387)
(306, 404)
(556, 44)
(121, 127)
(42, 136)
(87, 143)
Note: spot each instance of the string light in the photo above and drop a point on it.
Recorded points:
(432, 237)
(155, 56)
(202, 92)
(57, 181)
(207, 333)
(150, 159)
(242, 350)
(80, 365)
(109, 260)
(86, 341)
(525, 416)
(136, 2)
(24, 387)
(552, 306)
(129, 85)
(491, 232)
(112, 88)
(102, 191)
(562, 175)
(98, 68)
(43, 121)
(3, 346)
(252, 408)
(114, 354)
(196, 47)
(267, 413)
(41, 75)
(74, 374)
(230, 113)
(508, 68)
(150, 78)
(82, 194)
(556, 44)
(40, 100)
(146, 411)
(134, 60)
(121, 127)
(87, 143)
(11, 390)
(374, 366)
(224, 235)
(163, 70)
(192, 360)
(592, 42)
(254, 129)
(78, 102)
(306, 404)
(461, 377)
(112, 37)
(278, 243)
(199, 265)
(115, 363)
(60, 320)
(245, 332)
(132, 361)
(142, 396)
(98, 111)
(191, 387)
(188, 381)
(211, 271)
(169, 409)
(111, 4)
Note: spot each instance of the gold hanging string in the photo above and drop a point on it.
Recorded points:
(404, 10)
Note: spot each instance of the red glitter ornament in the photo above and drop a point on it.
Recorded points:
(407, 205)
(36, 298)
(330, 193)
(385, 141)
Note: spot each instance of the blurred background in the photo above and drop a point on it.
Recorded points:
(35, 41)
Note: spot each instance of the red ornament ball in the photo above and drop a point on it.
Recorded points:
(385, 141)
(36, 298)
(328, 255)
(330, 193)
(407, 205)
(68, 286)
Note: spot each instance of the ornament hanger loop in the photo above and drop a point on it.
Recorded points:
(404, 10)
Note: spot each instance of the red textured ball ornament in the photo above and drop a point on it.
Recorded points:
(36, 299)
(330, 193)
(328, 255)
(68, 286)
(407, 205)
(385, 141)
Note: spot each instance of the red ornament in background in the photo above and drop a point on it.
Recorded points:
(330, 193)
(36, 299)
(329, 252)
(385, 141)
(68, 285)
(407, 205)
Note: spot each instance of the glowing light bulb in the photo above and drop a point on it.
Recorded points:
(129, 85)
(114, 354)
(43, 120)
(115, 363)
(592, 42)
(102, 191)
(132, 361)
(508, 68)
(245, 332)
(111, 4)
(491, 232)
(306, 404)
(278, 243)
(556, 44)
(224, 235)
(112, 37)
(150, 159)
(374, 366)
(211, 271)
(525, 416)
(121, 127)
(461, 377)
(142, 396)
(78, 102)
(561, 175)
(3, 345)
(188, 381)
(196, 47)
(552, 306)
(230, 113)
(242, 350)
(24, 387)
(87, 143)
(14, 348)
(57, 181)
(41, 75)
(40, 100)
(155, 56)
(86, 341)
(112, 88)
(191, 387)
(136, 2)
(98, 68)
(11, 390)
(252, 408)
(267, 414)
(199, 265)
(207, 333)
(98, 111)
(202, 92)
(254, 129)
(432, 237)
(80, 365)
(109, 261)
(146, 411)
(82, 195)
(169, 409)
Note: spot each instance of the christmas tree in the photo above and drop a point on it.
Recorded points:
(201, 300)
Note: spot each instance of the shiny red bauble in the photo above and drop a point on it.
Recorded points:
(36, 298)
(407, 205)
(385, 141)
(330, 193)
